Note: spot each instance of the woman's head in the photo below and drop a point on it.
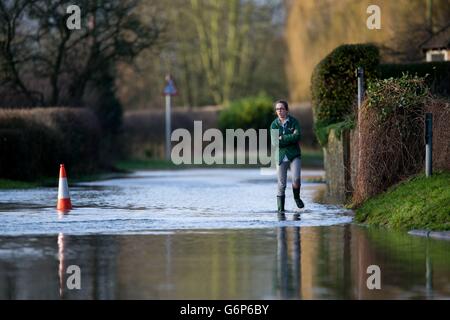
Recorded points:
(281, 109)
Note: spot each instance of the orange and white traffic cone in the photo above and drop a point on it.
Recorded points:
(64, 203)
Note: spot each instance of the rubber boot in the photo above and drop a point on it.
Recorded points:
(297, 199)
(280, 202)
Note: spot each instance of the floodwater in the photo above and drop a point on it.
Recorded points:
(205, 234)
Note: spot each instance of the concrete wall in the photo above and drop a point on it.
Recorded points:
(337, 161)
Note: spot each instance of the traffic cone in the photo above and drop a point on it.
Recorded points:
(64, 203)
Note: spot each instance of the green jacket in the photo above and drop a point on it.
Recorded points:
(290, 137)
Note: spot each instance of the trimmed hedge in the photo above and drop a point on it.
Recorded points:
(33, 142)
(437, 74)
(334, 83)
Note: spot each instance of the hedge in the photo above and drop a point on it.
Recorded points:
(252, 112)
(334, 83)
(33, 142)
(437, 74)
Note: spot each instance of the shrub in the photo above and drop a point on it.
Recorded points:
(107, 106)
(252, 112)
(33, 142)
(334, 83)
(436, 74)
(396, 95)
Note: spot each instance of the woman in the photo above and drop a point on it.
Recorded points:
(289, 153)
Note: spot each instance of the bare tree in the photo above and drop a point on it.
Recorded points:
(45, 63)
(215, 50)
(228, 43)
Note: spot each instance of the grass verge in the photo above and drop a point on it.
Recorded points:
(12, 184)
(149, 164)
(417, 203)
(53, 181)
(310, 159)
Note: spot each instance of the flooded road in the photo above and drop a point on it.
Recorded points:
(162, 200)
(205, 234)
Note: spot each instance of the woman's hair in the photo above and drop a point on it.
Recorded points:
(283, 102)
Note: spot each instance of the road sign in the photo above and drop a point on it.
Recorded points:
(170, 89)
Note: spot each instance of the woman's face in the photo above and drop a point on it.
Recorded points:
(281, 111)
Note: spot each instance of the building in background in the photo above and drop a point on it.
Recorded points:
(314, 28)
(437, 47)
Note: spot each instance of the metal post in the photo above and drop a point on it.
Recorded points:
(168, 127)
(360, 76)
(282, 262)
(429, 144)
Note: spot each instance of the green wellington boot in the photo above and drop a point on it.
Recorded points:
(297, 199)
(280, 202)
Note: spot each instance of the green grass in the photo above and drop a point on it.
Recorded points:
(158, 164)
(310, 159)
(417, 203)
(12, 184)
(53, 181)
(151, 164)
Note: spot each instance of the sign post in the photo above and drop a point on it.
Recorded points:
(360, 77)
(169, 91)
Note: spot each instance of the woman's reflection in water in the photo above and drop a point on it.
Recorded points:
(288, 263)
